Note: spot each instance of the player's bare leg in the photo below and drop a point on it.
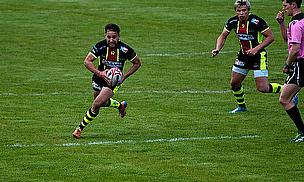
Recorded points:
(100, 100)
(264, 86)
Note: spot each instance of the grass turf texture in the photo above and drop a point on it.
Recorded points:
(180, 92)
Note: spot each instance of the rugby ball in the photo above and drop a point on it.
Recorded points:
(114, 75)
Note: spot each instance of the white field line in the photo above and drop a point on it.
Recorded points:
(127, 92)
(183, 54)
(121, 142)
(201, 53)
(178, 92)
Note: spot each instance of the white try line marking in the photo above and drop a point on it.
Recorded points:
(121, 142)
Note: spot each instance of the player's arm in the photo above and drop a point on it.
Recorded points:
(283, 32)
(88, 62)
(292, 56)
(280, 20)
(136, 63)
(220, 41)
(268, 39)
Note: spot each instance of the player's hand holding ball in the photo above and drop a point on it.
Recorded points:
(114, 75)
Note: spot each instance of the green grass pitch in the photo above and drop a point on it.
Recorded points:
(177, 126)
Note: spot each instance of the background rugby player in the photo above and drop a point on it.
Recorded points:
(254, 35)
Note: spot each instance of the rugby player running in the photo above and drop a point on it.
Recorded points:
(254, 35)
(112, 53)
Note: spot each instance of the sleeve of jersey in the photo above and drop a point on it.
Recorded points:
(228, 27)
(296, 33)
(262, 26)
(94, 51)
(230, 24)
(131, 54)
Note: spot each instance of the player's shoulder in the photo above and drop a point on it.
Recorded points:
(297, 18)
(232, 20)
(255, 19)
(101, 44)
(254, 16)
(122, 44)
(297, 25)
(124, 47)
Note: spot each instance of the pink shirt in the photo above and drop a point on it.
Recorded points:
(295, 35)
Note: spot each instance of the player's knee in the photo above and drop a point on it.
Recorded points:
(235, 86)
(106, 104)
(283, 101)
(95, 109)
(97, 104)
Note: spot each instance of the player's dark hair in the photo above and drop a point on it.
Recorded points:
(298, 2)
(242, 3)
(112, 27)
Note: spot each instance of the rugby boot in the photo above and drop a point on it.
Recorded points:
(298, 138)
(77, 133)
(238, 110)
(122, 108)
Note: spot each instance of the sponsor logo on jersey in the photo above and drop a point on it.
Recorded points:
(255, 66)
(112, 63)
(245, 37)
(124, 49)
(255, 21)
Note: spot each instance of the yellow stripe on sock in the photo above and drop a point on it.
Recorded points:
(86, 120)
(239, 91)
(89, 116)
(276, 88)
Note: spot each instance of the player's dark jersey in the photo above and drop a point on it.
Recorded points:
(112, 57)
(249, 35)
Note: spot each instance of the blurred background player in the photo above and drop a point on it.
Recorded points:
(112, 53)
(254, 35)
(294, 64)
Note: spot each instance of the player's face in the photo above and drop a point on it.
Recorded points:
(112, 38)
(287, 8)
(242, 12)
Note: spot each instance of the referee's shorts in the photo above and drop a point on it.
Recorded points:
(296, 75)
